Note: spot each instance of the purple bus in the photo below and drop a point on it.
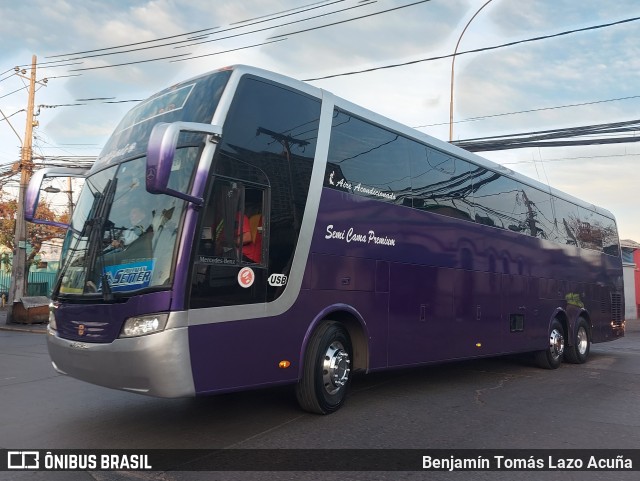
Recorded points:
(243, 229)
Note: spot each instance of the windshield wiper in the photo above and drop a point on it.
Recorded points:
(107, 294)
(96, 229)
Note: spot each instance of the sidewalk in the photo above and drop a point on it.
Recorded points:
(32, 328)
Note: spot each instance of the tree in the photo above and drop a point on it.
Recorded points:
(7, 221)
(36, 233)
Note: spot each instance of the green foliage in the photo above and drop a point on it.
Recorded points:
(36, 233)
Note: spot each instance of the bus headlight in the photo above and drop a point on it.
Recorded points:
(143, 325)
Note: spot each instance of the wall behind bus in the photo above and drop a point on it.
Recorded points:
(636, 258)
(631, 273)
(630, 310)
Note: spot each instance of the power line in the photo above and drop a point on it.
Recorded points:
(46, 64)
(174, 44)
(128, 63)
(566, 159)
(13, 92)
(134, 62)
(627, 125)
(351, 20)
(477, 50)
(182, 34)
(591, 135)
(284, 24)
(483, 117)
(290, 10)
(580, 142)
(227, 51)
(365, 3)
(120, 46)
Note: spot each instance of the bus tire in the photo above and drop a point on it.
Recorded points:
(578, 352)
(326, 370)
(551, 357)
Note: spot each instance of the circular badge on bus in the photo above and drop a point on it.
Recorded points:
(246, 276)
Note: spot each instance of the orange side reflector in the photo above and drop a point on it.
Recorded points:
(284, 364)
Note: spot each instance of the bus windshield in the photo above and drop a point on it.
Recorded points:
(122, 238)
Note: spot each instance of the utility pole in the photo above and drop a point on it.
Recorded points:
(17, 290)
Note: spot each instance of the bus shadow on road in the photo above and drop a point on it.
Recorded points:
(229, 420)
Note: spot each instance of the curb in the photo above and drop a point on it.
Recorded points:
(27, 328)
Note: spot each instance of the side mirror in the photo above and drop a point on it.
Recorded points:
(161, 151)
(32, 195)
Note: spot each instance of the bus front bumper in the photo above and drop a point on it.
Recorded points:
(156, 364)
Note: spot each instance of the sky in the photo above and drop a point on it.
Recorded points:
(582, 78)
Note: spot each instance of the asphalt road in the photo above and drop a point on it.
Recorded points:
(491, 404)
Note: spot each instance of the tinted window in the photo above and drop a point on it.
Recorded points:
(194, 101)
(267, 149)
(499, 201)
(610, 240)
(540, 217)
(598, 232)
(508, 204)
(276, 130)
(567, 221)
(589, 231)
(441, 183)
(367, 160)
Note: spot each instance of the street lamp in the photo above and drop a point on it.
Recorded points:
(54, 190)
(453, 61)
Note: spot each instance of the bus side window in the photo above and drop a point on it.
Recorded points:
(252, 248)
(231, 239)
(221, 227)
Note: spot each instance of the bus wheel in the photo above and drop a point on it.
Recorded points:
(326, 371)
(551, 357)
(579, 352)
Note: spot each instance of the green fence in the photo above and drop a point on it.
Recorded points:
(38, 283)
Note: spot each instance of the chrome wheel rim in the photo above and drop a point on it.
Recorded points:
(335, 367)
(582, 341)
(556, 344)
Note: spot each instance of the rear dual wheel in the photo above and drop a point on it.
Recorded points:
(551, 357)
(327, 370)
(578, 352)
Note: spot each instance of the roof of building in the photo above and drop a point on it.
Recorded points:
(631, 244)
